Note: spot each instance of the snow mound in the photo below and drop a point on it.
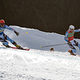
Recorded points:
(38, 65)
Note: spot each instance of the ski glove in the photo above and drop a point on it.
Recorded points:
(16, 33)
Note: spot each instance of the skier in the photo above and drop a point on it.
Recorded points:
(69, 37)
(4, 37)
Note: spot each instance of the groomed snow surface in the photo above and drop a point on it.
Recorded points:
(38, 63)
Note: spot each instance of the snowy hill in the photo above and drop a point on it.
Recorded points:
(35, 38)
(38, 63)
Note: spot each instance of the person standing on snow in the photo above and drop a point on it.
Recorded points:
(4, 37)
(69, 37)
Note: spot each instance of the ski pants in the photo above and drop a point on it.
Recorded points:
(72, 45)
(4, 38)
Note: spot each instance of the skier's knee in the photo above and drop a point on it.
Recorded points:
(79, 46)
(5, 43)
(10, 39)
(74, 50)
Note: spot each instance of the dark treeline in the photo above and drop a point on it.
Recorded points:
(45, 15)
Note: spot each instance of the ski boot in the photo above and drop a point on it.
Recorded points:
(18, 46)
(70, 51)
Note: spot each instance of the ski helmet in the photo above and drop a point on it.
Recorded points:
(2, 21)
(71, 27)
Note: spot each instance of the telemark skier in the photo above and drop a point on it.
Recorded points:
(69, 37)
(4, 37)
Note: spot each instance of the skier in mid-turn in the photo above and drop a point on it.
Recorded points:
(4, 37)
(69, 37)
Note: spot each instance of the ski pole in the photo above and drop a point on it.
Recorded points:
(53, 45)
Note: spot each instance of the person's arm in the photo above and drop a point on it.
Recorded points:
(78, 30)
(66, 37)
(9, 28)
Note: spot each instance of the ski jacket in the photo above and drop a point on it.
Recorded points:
(69, 36)
(5, 27)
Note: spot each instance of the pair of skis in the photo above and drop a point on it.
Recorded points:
(26, 49)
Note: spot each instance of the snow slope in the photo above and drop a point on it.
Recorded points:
(38, 63)
(35, 38)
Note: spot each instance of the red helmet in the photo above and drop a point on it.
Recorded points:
(2, 21)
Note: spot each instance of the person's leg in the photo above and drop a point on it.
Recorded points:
(4, 42)
(73, 49)
(13, 42)
(77, 44)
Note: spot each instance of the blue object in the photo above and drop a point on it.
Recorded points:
(4, 37)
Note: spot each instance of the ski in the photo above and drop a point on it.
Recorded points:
(20, 49)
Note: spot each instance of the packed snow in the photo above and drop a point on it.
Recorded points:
(38, 63)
